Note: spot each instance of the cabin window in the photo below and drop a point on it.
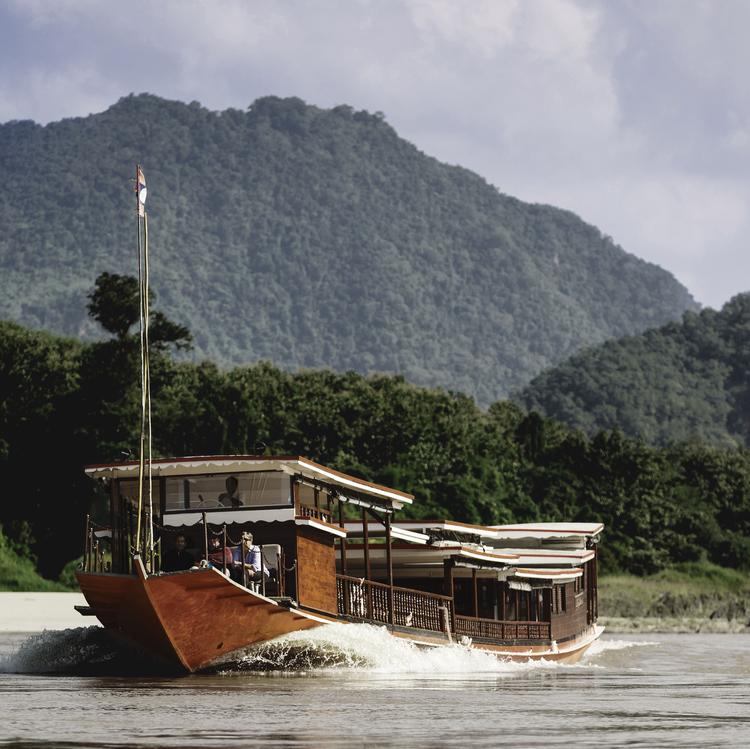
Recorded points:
(228, 491)
(558, 599)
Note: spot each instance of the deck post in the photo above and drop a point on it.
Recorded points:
(448, 565)
(475, 593)
(366, 542)
(295, 497)
(595, 569)
(342, 541)
(205, 535)
(389, 563)
(262, 571)
(224, 550)
(242, 559)
(448, 577)
(86, 546)
(366, 549)
(114, 545)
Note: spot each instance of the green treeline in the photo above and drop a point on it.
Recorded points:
(65, 404)
(684, 381)
(312, 238)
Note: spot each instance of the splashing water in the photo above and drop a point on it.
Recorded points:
(83, 651)
(606, 646)
(364, 647)
(335, 648)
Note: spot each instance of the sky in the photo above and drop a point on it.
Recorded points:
(634, 114)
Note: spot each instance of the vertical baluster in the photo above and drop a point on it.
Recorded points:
(86, 546)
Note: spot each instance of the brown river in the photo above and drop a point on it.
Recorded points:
(355, 686)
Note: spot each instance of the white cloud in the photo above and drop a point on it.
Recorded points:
(635, 115)
(71, 91)
(482, 27)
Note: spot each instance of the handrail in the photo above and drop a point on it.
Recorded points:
(375, 583)
(315, 512)
(360, 598)
(499, 629)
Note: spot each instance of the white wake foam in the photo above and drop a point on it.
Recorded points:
(333, 648)
(605, 646)
(364, 647)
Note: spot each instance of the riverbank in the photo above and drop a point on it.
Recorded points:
(690, 598)
(35, 612)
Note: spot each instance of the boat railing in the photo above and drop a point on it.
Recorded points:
(317, 513)
(495, 629)
(93, 551)
(366, 599)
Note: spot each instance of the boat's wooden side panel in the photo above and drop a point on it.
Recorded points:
(574, 619)
(568, 652)
(191, 618)
(316, 557)
(206, 615)
(121, 604)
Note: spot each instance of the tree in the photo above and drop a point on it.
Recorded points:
(115, 304)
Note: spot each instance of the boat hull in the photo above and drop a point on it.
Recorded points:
(189, 619)
(192, 619)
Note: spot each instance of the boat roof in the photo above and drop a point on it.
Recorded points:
(539, 531)
(536, 557)
(291, 464)
(559, 575)
(377, 530)
(419, 554)
(547, 530)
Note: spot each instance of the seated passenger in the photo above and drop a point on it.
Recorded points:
(218, 556)
(248, 555)
(178, 558)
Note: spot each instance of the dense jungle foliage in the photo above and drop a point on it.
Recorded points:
(65, 403)
(312, 238)
(684, 381)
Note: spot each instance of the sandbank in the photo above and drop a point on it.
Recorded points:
(35, 612)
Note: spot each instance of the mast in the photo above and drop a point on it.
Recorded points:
(144, 546)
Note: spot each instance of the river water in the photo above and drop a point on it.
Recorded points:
(354, 685)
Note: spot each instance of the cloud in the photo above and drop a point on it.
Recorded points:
(635, 115)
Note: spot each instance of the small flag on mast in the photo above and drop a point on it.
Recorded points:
(141, 192)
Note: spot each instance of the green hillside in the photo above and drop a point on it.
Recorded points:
(687, 380)
(66, 404)
(312, 238)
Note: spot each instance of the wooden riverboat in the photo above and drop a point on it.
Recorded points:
(332, 551)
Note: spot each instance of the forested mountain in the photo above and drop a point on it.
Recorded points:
(685, 380)
(312, 238)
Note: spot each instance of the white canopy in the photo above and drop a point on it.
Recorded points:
(290, 464)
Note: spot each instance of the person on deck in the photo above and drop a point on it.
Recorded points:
(218, 556)
(248, 555)
(230, 498)
(178, 558)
